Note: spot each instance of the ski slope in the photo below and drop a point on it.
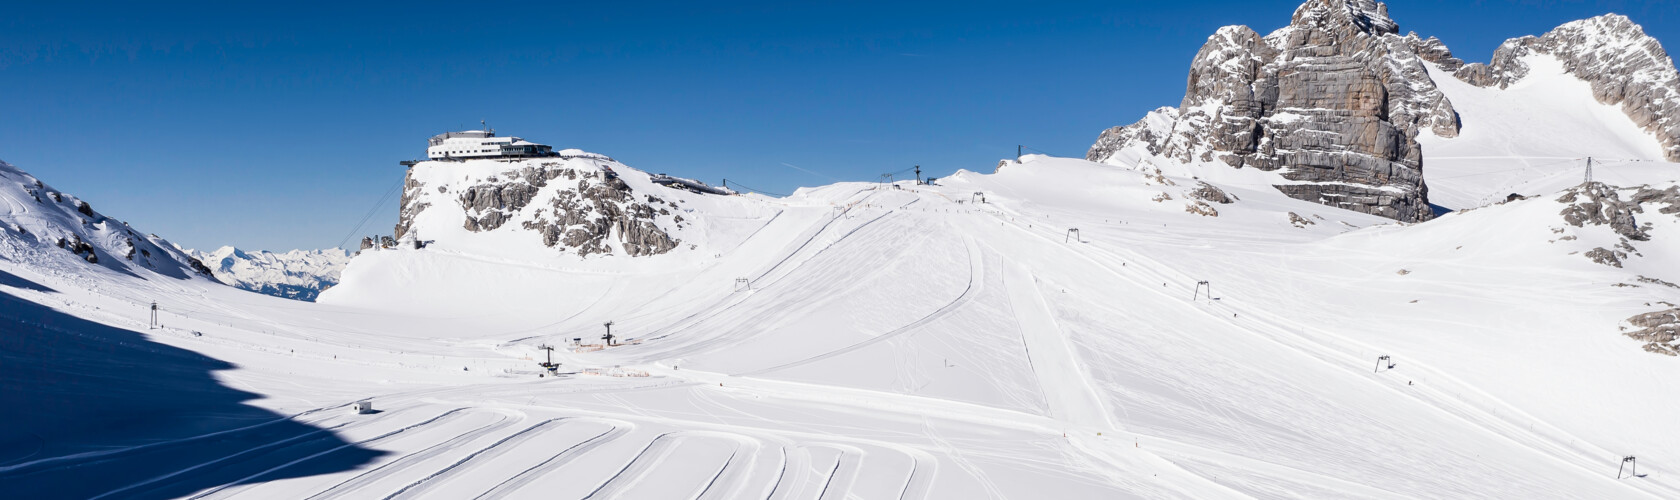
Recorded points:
(1533, 138)
(892, 341)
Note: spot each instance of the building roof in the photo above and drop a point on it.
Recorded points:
(470, 134)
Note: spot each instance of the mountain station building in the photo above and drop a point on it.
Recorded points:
(478, 144)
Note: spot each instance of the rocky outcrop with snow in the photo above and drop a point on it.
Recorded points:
(1333, 102)
(1659, 330)
(1625, 66)
(579, 204)
(1630, 229)
(298, 274)
(1599, 204)
(42, 225)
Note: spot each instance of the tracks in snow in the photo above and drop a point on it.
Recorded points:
(525, 477)
(1062, 377)
(976, 282)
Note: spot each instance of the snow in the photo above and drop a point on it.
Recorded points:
(41, 225)
(891, 340)
(298, 274)
(1533, 138)
(896, 341)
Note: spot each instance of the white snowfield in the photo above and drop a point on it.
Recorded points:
(1531, 138)
(892, 341)
(1055, 329)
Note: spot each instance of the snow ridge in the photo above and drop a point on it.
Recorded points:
(578, 204)
(43, 225)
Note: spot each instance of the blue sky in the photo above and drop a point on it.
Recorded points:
(279, 126)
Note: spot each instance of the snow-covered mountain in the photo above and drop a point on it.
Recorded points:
(1596, 88)
(1155, 324)
(576, 203)
(926, 341)
(1347, 112)
(578, 210)
(46, 227)
(1625, 67)
(298, 274)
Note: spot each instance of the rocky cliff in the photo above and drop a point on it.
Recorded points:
(1333, 102)
(576, 204)
(1599, 204)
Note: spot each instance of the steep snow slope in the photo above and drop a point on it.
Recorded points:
(917, 342)
(1533, 137)
(1623, 66)
(39, 224)
(298, 274)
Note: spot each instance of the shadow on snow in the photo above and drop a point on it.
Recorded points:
(87, 409)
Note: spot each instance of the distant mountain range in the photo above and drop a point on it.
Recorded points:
(298, 274)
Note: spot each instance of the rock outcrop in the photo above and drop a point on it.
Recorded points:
(1334, 102)
(1209, 192)
(577, 204)
(1599, 204)
(1659, 330)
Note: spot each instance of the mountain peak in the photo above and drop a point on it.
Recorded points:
(1606, 23)
(40, 224)
(1345, 17)
(1332, 103)
(1625, 67)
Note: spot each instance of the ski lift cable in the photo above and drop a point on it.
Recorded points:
(738, 185)
(370, 213)
(1619, 176)
(1524, 167)
(1507, 157)
(801, 169)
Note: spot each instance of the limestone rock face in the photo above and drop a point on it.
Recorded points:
(1209, 192)
(1624, 65)
(1659, 330)
(1149, 133)
(583, 218)
(1334, 102)
(1599, 204)
(575, 205)
(1433, 50)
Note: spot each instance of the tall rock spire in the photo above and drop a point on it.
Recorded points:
(1334, 101)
